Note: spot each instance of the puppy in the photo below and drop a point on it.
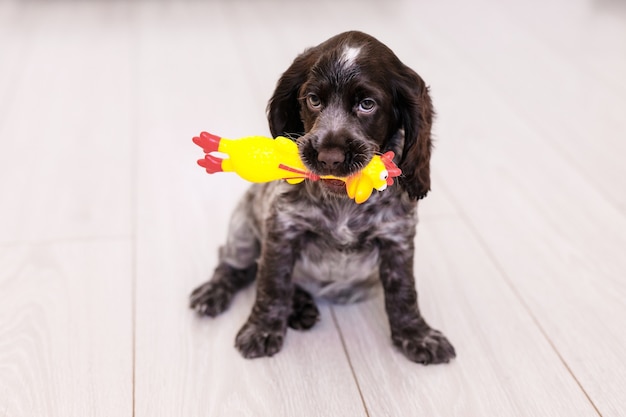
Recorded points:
(343, 102)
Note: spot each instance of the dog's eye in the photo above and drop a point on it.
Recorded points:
(367, 105)
(313, 101)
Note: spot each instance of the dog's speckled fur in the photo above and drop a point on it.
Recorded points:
(297, 240)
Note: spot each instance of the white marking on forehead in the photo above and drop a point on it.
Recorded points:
(349, 54)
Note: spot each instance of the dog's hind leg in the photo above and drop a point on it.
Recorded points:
(214, 296)
(237, 267)
(304, 312)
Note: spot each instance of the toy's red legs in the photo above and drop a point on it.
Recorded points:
(211, 163)
(208, 142)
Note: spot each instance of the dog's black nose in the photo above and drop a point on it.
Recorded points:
(331, 157)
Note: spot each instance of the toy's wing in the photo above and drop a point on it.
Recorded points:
(284, 144)
(351, 184)
(359, 188)
(290, 160)
(363, 192)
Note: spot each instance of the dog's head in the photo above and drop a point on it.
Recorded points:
(351, 98)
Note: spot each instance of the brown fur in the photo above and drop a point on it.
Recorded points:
(342, 102)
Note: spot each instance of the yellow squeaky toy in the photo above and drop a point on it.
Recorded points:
(263, 159)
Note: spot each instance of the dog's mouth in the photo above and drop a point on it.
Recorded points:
(334, 186)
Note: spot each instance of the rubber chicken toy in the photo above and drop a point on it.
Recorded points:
(262, 159)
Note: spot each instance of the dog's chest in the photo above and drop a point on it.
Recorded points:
(343, 227)
(339, 256)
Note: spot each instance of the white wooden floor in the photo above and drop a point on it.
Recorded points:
(106, 222)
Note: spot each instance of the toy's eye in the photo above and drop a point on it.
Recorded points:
(313, 101)
(384, 174)
(367, 105)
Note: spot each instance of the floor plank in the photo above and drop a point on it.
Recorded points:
(72, 90)
(15, 46)
(182, 217)
(569, 105)
(591, 35)
(556, 237)
(66, 325)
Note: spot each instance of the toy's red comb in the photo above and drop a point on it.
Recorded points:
(390, 166)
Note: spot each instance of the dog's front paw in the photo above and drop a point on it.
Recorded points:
(211, 298)
(424, 346)
(256, 340)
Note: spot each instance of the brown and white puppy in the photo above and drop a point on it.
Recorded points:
(343, 102)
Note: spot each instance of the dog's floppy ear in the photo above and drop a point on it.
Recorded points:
(414, 111)
(283, 109)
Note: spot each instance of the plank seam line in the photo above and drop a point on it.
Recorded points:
(345, 349)
(135, 131)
